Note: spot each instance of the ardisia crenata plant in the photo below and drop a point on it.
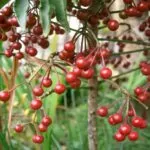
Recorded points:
(90, 55)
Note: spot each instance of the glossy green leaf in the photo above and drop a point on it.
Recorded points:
(60, 11)
(3, 3)
(20, 8)
(45, 11)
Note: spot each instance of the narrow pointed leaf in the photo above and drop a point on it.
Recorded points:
(45, 15)
(20, 8)
(60, 10)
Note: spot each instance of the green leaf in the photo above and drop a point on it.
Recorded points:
(20, 8)
(45, 14)
(60, 10)
(3, 3)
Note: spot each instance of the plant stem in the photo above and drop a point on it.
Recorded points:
(92, 107)
(125, 41)
(92, 100)
(130, 52)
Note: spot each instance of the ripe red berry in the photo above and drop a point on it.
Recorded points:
(81, 63)
(4, 96)
(119, 137)
(46, 82)
(69, 46)
(38, 91)
(75, 84)
(125, 129)
(142, 6)
(137, 121)
(42, 127)
(145, 70)
(59, 88)
(143, 97)
(18, 128)
(111, 120)
(130, 112)
(19, 55)
(17, 45)
(85, 2)
(31, 51)
(8, 53)
(113, 25)
(104, 53)
(71, 77)
(105, 73)
(102, 111)
(46, 121)
(38, 139)
(77, 71)
(117, 118)
(36, 104)
(138, 90)
(133, 136)
(87, 74)
(144, 124)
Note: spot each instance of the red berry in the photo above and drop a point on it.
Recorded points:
(38, 91)
(130, 112)
(71, 77)
(4, 96)
(145, 70)
(17, 45)
(144, 124)
(119, 137)
(102, 111)
(111, 120)
(85, 2)
(137, 121)
(42, 127)
(117, 118)
(81, 63)
(133, 136)
(59, 88)
(87, 74)
(113, 25)
(46, 82)
(105, 73)
(143, 97)
(38, 139)
(138, 90)
(31, 51)
(77, 71)
(142, 6)
(104, 53)
(125, 129)
(75, 84)
(18, 128)
(37, 30)
(8, 53)
(19, 55)
(36, 104)
(69, 46)
(46, 121)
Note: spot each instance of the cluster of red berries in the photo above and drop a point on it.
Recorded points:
(143, 93)
(83, 66)
(128, 123)
(133, 10)
(9, 24)
(145, 27)
(42, 127)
